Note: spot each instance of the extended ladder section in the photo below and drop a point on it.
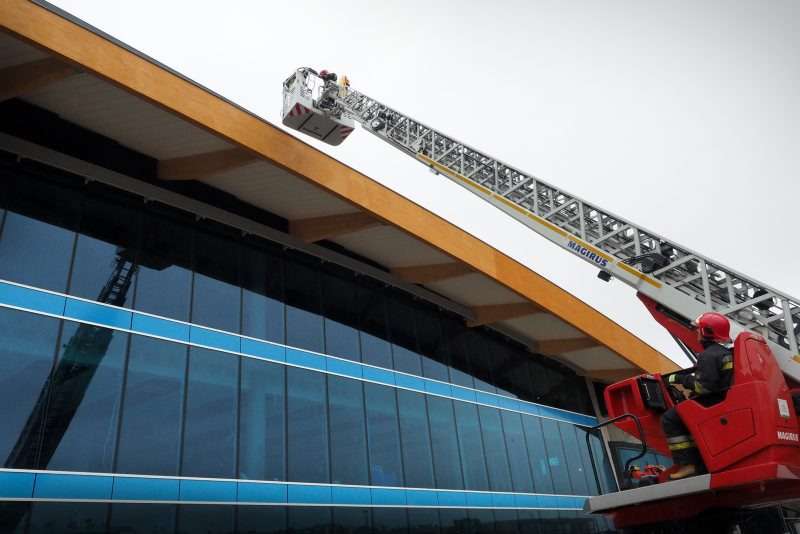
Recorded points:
(681, 280)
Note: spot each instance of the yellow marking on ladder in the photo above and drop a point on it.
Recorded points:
(796, 358)
(638, 274)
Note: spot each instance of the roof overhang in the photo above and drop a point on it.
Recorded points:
(63, 66)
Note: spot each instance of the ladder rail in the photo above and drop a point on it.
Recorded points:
(715, 286)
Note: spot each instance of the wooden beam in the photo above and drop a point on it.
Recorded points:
(612, 375)
(199, 166)
(423, 274)
(494, 313)
(319, 228)
(22, 79)
(559, 346)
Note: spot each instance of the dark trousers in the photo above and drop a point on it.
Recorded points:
(681, 444)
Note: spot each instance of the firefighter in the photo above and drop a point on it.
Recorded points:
(707, 385)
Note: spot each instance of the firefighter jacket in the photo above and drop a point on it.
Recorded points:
(714, 371)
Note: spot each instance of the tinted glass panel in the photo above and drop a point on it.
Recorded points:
(506, 522)
(309, 520)
(262, 295)
(307, 426)
(517, 452)
(261, 519)
(14, 517)
(423, 521)
(453, 521)
(471, 446)
(142, 518)
(217, 295)
(27, 349)
(262, 421)
(80, 429)
(403, 336)
(577, 472)
(339, 300)
(205, 519)
(431, 345)
(496, 457)
(480, 522)
(108, 240)
(348, 435)
(390, 520)
(348, 520)
(537, 454)
(455, 336)
(480, 361)
(384, 436)
(209, 437)
(72, 518)
(416, 440)
(375, 350)
(164, 280)
(446, 461)
(555, 457)
(151, 411)
(303, 319)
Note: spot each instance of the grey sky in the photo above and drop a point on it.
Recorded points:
(682, 116)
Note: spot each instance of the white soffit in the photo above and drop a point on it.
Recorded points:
(15, 52)
(391, 247)
(596, 359)
(542, 326)
(475, 290)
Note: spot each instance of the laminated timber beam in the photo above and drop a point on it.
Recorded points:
(20, 80)
(199, 166)
(493, 313)
(559, 346)
(423, 274)
(318, 228)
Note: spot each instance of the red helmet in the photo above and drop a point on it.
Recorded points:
(713, 326)
(323, 73)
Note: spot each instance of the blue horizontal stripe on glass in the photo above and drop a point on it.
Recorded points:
(410, 382)
(45, 302)
(388, 497)
(31, 299)
(452, 498)
(16, 485)
(341, 495)
(479, 500)
(255, 492)
(306, 359)
(58, 486)
(214, 339)
(502, 500)
(344, 367)
(377, 374)
(422, 498)
(208, 490)
(262, 349)
(97, 313)
(438, 388)
(526, 501)
(156, 326)
(309, 494)
(145, 489)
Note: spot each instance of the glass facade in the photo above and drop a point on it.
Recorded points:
(270, 375)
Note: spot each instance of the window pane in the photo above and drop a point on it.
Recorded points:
(348, 435)
(106, 247)
(416, 440)
(555, 457)
(209, 437)
(517, 452)
(455, 335)
(423, 521)
(506, 522)
(309, 520)
(307, 426)
(389, 520)
(341, 317)
(142, 518)
(67, 518)
(80, 429)
(406, 360)
(453, 520)
(471, 446)
(577, 473)
(205, 519)
(38, 233)
(446, 461)
(375, 350)
(480, 361)
(481, 522)
(384, 437)
(27, 349)
(164, 280)
(347, 520)
(537, 454)
(262, 295)
(14, 517)
(151, 411)
(431, 344)
(303, 319)
(403, 335)
(262, 421)
(261, 519)
(217, 295)
(496, 457)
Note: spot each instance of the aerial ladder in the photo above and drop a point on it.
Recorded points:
(749, 442)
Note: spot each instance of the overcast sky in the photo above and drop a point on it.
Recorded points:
(682, 116)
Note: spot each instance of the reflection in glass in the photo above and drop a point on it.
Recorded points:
(307, 426)
(67, 518)
(309, 520)
(144, 518)
(348, 435)
(262, 294)
(423, 521)
(384, 437)
(537, 454)
(517, 452)
(206, 519)
(496, 457)
(416, 440)
(261, 519)
(556, 457)
(471, 446)
(217, 296)
(446, 461)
